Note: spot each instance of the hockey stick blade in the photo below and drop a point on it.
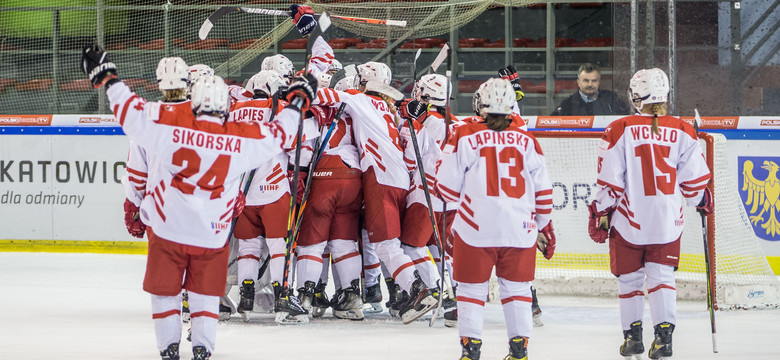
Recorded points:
(441, 57)
(209, 23)
(399, 23)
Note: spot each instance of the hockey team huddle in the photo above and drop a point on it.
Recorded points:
(359, 179)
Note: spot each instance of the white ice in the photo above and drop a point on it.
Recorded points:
(91, 306)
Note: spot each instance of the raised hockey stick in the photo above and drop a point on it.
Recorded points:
(209, 23)
(707, 260)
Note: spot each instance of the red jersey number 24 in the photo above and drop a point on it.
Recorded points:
(512, 185)
(212, 181)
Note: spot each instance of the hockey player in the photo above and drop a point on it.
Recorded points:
(195, 178)
(196, 72)
(492, 164)
(646, 161)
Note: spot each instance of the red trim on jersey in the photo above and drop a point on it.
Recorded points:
(248, 256)
(159, 211)
(141, 188)
(448, 193)
(372, 266)
(631, 294)
(543, 210)
(401, 268)
(124, 109)
(165, 314)
(659, 287)
(471, 300)
(625, 203)
(468, 210)
(227, 214)
(467, 220)
(162, 185)
(159, 196)
(693, 188)
(516, 298)
(421, 260)
(543, 193)
(604, 183)
(136, 180)
(204, 313)
(310, 257)
(136, 172)
(544, 202)
(345, 257)
(623, 211)
(697, 180)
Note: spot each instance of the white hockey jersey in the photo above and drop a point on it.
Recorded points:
(643, 176)
(342, 143)
(430, 153)
(501, 183)
(198, 162)
(376, 134)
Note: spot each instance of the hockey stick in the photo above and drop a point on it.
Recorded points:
(707, 260)
(208, 24)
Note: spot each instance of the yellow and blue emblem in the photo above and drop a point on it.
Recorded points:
(760, 192)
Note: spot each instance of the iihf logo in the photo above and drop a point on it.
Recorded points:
(760, 192)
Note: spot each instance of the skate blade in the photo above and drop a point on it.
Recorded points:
(245, 316)
(354, 314)
(635, 357)
(318, 311)
(224, 316)
(450, 323)
(428, 304)
(284, 318)
(372, 308)
(538, 322)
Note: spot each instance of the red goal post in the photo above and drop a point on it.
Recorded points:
(740, 274)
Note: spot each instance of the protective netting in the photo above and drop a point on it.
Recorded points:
(581, 267)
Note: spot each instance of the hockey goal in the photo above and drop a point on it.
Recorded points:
(740, 272)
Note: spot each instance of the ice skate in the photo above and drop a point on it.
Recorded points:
(320, 302)
(349, 304)
(171, 352)
(401, 299)
(224, 311)
(200, 353)
(451, 318)
(470, 348)
(662, 344)
(632, 347)
(247, 302)
(185, 307)
(288, 309)
(536, 311)
(373, 303)
(306, 295)
(421, 301)
(393, 291)
(518, 348)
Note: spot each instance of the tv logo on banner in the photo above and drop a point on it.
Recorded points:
(714, 122)
(25, 120)
(759, 188)
(564, 122)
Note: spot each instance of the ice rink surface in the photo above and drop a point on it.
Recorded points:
(91, 306)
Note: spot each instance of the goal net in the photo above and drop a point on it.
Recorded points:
(741, 274)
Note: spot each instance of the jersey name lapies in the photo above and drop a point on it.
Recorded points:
(490, 137)
(206, 141)
(248, 114)
(645, 133)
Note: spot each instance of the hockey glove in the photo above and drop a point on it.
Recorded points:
(509, 73)
(303, 18)
(302, 91)
(412, 109)
(95, 64)
(300, 187)
(324, 114)
(545, 241)
(707, 205)
(598, 224)
(238, 206)
(133, 222)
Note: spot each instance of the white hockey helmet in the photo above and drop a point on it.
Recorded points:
(346, 83)
(197, 71)
(172, 73)
(281, 64)
(648, 86)
(266, 83)
(432, 89)
(494, 96)
(335, 66)
(210, 95)
(376, 76)
(323, 80)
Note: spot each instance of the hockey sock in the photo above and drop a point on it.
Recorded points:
(166, 312)
(516, 300)
(398, 263)
(325, 266)
(661, 293)
(471, 306)
(204, 310)
(346, 261)
(423, 264)
(249, 259)
(371, 264)
(632, 297)
(276, 249)
(310, 263)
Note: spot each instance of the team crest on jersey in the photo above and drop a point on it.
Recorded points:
(270, 187)
(759, 188)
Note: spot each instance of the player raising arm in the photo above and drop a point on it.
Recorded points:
(646, 161)
(193, 184)
(488, 165)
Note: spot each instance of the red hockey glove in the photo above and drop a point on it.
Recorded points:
(598, 224)
(302, 91)
(238, 205)
(303, 18)
(509, 73)
(324, 114)
(545, 241)
(300, 186)
(412, 109)
(133, 222)
(707, 205)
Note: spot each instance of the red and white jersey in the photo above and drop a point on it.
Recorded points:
(135, 179)
(376, 134)
(342, 143)
(238, 93)
(501, 183)
(321, 56)
(194, 177)
(430, 153)
(644, 175)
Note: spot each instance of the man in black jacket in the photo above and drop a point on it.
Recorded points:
(589, 100)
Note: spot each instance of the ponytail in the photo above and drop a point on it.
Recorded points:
(174, 95)
(657, 109)
(497, 122)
